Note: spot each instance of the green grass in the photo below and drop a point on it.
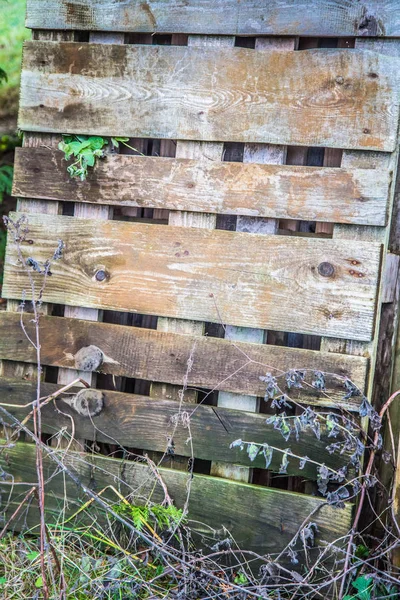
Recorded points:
(12, 36)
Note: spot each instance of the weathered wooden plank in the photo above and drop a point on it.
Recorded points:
(291, 284)
(223, 17)
(315, 98)
(163, 356)
(142, 422)
(357, 196)
(259, 518)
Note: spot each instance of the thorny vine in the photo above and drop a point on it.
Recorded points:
(155, 541)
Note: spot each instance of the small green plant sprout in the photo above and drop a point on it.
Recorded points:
(156, 517)
(240, 578)
(86, 149)
(364, 586)
(6, 177)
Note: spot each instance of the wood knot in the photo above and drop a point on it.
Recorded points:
(87, 402)
(88, 358)
(326, 269)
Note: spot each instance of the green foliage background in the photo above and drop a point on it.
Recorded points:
(12, 36)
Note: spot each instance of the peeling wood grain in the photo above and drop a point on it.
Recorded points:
(143, 422)
(316, 97)
(322, 18)
(357, 196)
(314, 286)
(259, 518)
(163, 356)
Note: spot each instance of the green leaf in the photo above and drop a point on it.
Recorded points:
(364, 587)
(3, 580)
(267, 452)
(32, 555)
(90, 159)
(96, 142)
(362, 551)
(252, 451)
(240, 579)
(39, 582)
(76, 147)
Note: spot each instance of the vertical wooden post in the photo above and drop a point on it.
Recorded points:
(88, 211)
(266, 154)
(204, 151)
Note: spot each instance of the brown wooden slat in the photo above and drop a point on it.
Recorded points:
(143, 422)
(316, 97)
(357, 196)
(259, 518)
(220, 17)
(306, 285)
(160, 356)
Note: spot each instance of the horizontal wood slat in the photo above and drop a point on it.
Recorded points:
(159, 356)
(145, 423)
(357, 196)
(258, 518)
(306, 285)
(338, 98)
(220, 17)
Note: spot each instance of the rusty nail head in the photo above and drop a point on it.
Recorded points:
(326, 269)
(101, 275)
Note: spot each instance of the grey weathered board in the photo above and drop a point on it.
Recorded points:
(153, 355)
(259, 518)
(142, 422)
(221, 17)
(314, 286)
(338, 98)
(358, 196)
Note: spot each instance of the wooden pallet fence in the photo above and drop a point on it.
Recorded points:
(342, 99)
(187, 273)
